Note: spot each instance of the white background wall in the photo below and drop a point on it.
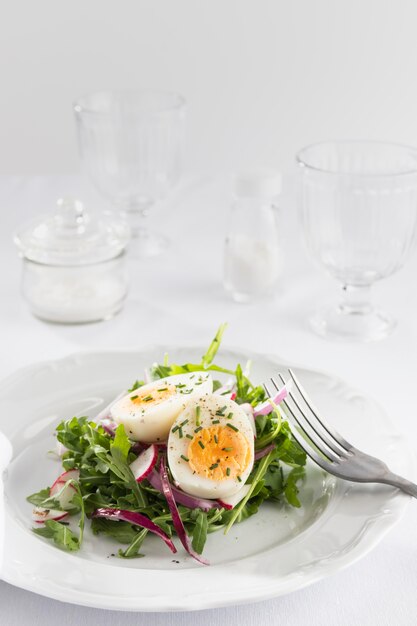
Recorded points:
(262, 77)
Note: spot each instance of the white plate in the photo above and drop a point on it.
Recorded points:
(279, 550)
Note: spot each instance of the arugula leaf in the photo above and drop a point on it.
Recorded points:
(275, 423)
(258, 476)
(117, 462)
(136, 385)
(200, 532)
(121, 531)
(241, 384)
(78, 501)
(291, 489)
(216, 385)
(208, 357)
(39, 498)
(62, 536)
(246, 391)
(119, 448)
(132, 552)
(46, 501)
(274, 480)
(161, 371)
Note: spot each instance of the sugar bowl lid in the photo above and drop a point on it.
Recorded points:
(73, 236)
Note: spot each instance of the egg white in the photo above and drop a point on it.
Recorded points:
(151, 421)
(183, 474)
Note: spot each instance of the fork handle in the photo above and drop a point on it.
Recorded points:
(401, 483)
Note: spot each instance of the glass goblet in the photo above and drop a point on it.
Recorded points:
(131, 145)
(359, 210)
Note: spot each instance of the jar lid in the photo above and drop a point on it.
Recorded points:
(73, 236)
(258, 184)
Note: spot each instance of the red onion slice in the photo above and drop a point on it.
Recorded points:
(135, 518)
(176, 518)
(259, 454)
(108, 426)
(181, 497)
(266, 408)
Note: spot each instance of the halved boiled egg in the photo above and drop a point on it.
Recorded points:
(211, 447)
(149, 412)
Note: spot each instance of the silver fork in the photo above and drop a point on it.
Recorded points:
(328, 448)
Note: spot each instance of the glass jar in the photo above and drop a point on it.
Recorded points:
(251, 253)
(74, 265)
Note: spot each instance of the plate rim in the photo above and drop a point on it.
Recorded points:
(373, 534)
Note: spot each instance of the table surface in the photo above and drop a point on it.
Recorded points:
(178, 297)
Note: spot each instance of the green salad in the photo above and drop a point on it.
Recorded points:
(190, 450)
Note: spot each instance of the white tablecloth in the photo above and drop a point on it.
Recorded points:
(179, 297)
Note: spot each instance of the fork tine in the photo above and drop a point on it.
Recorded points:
(303, 443)
(319, 440)
(315, 449)
(317, 435)
(266, 390)
(331, 431)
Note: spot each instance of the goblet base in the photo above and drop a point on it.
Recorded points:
(336, 322)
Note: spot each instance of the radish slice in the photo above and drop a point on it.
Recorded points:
(64, 494)
(231, 501)
(61, 490)
(41, 515)
(176, 518)
(144, 464)
(65, 476)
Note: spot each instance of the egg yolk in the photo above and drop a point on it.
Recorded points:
(219, 453)
(154, 396)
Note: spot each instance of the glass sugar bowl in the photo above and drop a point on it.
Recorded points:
(74, 264)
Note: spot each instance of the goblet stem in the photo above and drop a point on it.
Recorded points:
(136, 215)
(356, 300)
(144, 243)
(354, 318)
